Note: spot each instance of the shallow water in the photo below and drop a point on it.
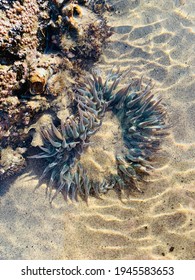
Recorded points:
(155, 39)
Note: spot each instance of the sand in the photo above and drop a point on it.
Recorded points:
(155, 39)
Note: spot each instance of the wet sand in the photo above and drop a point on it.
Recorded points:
(155, 39)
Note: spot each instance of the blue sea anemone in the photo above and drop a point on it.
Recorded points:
(142, 121)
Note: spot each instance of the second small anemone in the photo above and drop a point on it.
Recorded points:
(142, 120)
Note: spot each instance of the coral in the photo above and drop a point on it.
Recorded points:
(142, 121)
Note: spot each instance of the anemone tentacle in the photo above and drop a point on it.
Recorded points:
(142, 119)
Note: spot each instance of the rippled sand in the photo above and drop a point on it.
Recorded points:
(155, 39)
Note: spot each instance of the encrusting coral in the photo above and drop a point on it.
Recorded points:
(77, 29)
(18, 27)
(142, 121)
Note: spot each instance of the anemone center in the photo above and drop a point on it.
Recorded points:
(99, 159)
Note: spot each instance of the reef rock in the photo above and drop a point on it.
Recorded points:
(43, 47)
(11, 162)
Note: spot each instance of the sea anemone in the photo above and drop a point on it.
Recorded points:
(142, 120)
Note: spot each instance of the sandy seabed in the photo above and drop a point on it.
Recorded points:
(155, 39)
